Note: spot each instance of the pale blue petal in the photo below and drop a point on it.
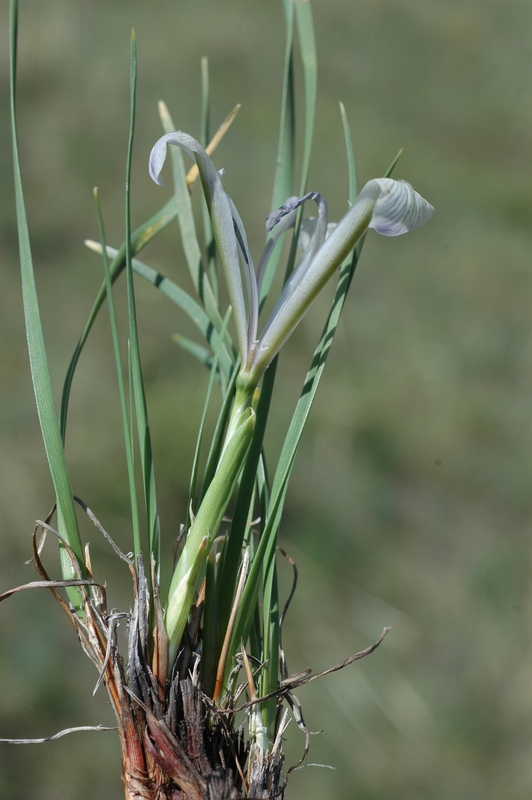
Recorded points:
(315, 242)
(282, 224)
(249, 273)
(399, 208)
(221, 215)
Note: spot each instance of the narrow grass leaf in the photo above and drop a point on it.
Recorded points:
(199, 440)
(269, 676)
(139, 239)
(128, 438)
(307, 43)
(67, 520)
(205, 103)
(208, 238)
(219, 432)
(201, 353)
(284, 171)
(351, 161)
(141, 414)
(183, 300)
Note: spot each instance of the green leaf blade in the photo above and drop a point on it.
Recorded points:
(67, 520)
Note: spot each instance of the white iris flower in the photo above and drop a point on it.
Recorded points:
(390, 207)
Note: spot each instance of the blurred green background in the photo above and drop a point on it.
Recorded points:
(411, 499)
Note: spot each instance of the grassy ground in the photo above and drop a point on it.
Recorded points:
(411, 500)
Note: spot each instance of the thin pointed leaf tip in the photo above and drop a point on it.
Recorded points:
(390, 207)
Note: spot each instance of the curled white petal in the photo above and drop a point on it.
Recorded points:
(399, 208)
(249, 274)
(157, 159)
(220, 211)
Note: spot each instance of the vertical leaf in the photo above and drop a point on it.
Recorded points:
(67, 521)
(269, 675)
(351, 162)
(307, 42)
(284, 171)
(139, 239)
(126, 421)
(208, 237)
(141, 414)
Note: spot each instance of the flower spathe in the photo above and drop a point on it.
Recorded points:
(390, 207)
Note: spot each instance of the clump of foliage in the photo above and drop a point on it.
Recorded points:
(208, 647)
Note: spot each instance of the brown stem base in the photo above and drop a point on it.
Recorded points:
(177, 744)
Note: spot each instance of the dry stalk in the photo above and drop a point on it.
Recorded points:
(177, 743)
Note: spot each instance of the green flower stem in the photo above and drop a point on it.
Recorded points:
(202, 532)
(244, 391)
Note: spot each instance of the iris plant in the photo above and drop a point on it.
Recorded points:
(176, 709)
(390, 207)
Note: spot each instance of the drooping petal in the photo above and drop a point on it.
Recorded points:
(157, 159)
(221, 216)
(399, 208)
(249, 274)
(276, 230)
